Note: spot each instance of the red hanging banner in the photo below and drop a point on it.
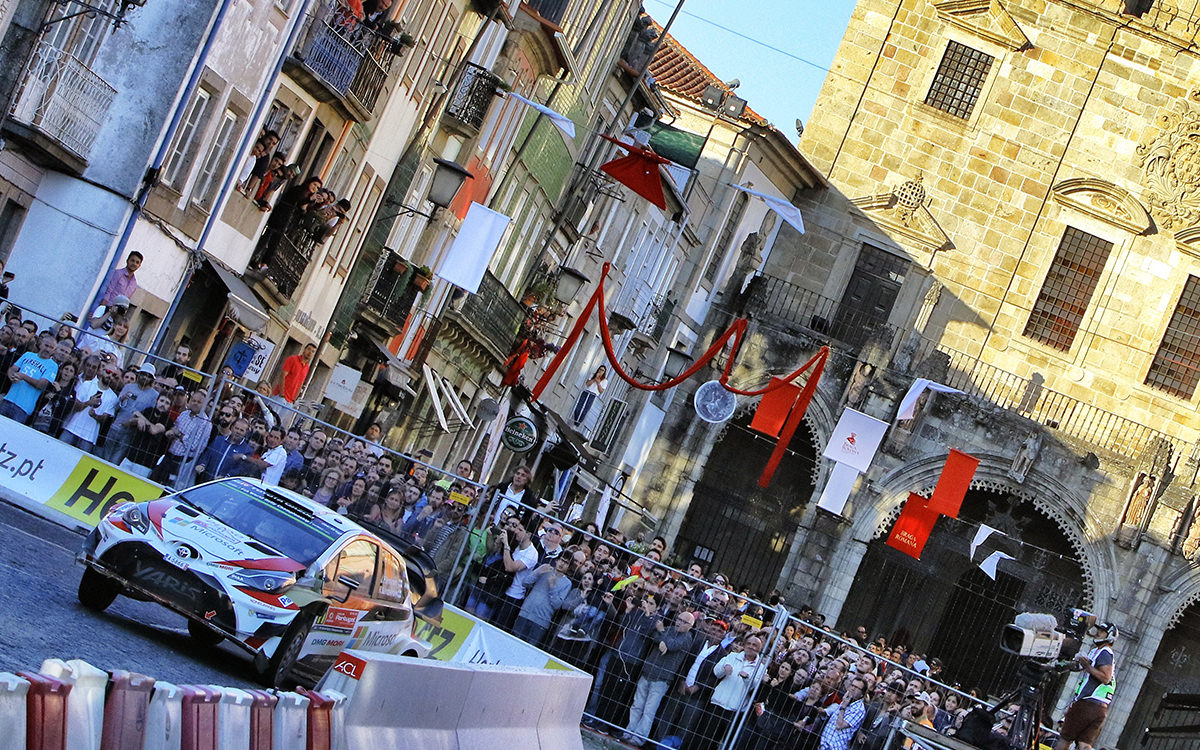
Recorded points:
(953, 484)
(774, 407)
(913, 527)
(794, 419)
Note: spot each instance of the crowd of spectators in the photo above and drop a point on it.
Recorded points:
(676, 657)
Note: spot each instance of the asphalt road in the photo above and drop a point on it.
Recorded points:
(40, 617)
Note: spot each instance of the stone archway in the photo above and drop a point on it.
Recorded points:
(874, 512)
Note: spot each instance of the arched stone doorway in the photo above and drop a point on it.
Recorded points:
(944, 605)
(1175, 669)
(733, 525)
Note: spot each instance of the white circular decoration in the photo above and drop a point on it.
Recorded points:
(714, 403)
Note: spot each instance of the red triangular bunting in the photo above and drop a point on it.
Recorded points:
(638, 171)
(774, 408)
(913, 527)
(953, 484)
(794, 419)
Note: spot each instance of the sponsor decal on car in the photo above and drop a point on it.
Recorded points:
(339, 620)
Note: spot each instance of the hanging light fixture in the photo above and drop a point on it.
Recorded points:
(570, 284)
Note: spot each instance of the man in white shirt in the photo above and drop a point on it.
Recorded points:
(273, 459)
(95, 402)
(520, 559)
(738, 672)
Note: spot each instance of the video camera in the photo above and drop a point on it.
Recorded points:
(1037, 636)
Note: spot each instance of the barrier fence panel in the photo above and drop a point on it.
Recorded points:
(678, 657)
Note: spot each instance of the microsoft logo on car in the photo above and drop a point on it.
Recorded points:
(519, 435)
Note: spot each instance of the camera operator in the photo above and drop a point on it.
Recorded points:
(1084, 718)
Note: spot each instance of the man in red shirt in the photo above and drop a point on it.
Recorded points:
(294, 373)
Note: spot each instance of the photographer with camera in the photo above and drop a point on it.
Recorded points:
(1084, 718)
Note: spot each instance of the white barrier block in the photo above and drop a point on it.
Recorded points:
(13, 690)
(163, 730)
(337, 718)
(291, 721)
(85, 703)
(502, 705)
(233, 718)
(558, 726)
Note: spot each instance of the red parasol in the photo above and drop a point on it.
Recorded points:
(638, 171)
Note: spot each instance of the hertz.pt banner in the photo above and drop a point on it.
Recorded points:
(41, 469)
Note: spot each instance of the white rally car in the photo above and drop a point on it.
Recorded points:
(287, 579)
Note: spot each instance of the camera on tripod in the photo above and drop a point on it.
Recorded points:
(1037, 636)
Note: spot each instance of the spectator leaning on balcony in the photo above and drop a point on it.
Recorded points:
(257, 163)
(29, 375)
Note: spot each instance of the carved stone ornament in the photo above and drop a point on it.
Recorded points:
(1104, 201)
(986, 19)
(905, 212)
(1171, 164)
(1026, 456)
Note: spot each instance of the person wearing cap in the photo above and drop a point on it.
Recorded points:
(1084, 719)
(919, 710)
(138, 396)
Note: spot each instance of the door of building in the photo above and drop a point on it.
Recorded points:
(869, 297)
(1176, 669)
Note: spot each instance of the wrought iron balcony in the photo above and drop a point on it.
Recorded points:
(551, 10)
(345, 57)
(492, 316)
(285, 259)
(63, 100)
(826, 318)
(468, 107)
(389, 295)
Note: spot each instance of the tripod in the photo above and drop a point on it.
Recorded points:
(1030, 697)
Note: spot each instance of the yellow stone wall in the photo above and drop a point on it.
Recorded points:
(1085, 97)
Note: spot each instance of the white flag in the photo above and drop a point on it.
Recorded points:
(837, 489)
(561, 121)
(785, 209)
(989, 565)
(908, 405)
(981, 536)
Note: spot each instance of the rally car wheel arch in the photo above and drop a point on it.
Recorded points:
(203, 634)
(287, 653)
(96, 590)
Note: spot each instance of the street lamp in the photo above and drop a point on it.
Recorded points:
(677, 362)
(570, 284)
(448, 179)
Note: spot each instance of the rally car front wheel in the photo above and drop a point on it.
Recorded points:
(287, 653)
(96, 590)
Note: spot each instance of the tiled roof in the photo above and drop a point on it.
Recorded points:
(679, 72)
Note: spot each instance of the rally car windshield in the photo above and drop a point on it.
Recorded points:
(268, 517)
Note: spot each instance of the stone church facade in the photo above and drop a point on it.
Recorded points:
(1013, 210)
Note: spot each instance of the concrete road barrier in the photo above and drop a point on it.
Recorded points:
(397, 701)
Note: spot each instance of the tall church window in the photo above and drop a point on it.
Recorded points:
(1176, 365)
(959, 79)
(1068, 288)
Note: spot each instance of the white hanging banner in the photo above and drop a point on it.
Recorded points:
(908, 405)
(989, 565)
(837, 489)
(980, 537)
(855, 439)
(473, 248)
(342, 382)
(561, 121)
(786, 210)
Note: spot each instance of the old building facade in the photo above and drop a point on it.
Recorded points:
(1010, 214)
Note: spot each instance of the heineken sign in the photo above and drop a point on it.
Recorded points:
(520, 434)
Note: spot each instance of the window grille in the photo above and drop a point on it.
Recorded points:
(1068, 289)
(214, 165)
(959, 79)
(185, 142)
(1176, 365)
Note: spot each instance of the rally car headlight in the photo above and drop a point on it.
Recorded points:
(136, 519)
(273, 582)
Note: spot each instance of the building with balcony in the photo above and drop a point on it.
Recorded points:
(995, 219)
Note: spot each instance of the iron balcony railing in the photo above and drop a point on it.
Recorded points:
(287, 262)
(63, 99)
(827, 320)
(389, 294)
(469, 105)
(350, 58)
(492, 315)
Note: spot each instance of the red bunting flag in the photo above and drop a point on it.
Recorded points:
(774, 407)
(912, 527)
(953, 484)
(638, 171)
(794, 418)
